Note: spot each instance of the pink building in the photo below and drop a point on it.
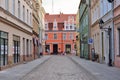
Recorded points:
(117, 31)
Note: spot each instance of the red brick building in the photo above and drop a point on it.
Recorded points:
(60, 33)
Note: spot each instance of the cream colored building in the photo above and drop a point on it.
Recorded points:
(41, 13)
(15, 32)
(95, 30)
(42, 29)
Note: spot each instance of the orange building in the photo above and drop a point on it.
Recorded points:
(60, 33)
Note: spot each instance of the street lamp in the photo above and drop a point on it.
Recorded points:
(101, 23)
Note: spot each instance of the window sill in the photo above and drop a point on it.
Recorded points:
(118, 55)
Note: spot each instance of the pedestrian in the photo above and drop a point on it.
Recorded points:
(93, 54)
(48, 51)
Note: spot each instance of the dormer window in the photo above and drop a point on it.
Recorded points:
(46, 26)
(55, 24)
(67, 27)
(70, 26)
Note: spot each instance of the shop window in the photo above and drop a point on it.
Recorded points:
(3, 48)
(16, 49)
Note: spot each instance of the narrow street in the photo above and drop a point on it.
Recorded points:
(59, 68)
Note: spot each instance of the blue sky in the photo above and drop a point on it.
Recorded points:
(65, 6)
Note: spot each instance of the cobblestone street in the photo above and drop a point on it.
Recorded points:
(59, 68)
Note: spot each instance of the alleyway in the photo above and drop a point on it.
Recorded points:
(59, 68)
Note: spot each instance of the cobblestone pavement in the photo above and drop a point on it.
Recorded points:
(59, 68)
(100, 71)
(17, 72)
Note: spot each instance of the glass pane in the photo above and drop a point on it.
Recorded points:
(4, 35)
(4, 51)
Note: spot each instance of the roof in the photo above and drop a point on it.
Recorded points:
(58, 17)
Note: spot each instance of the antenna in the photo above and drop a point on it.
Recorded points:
(52, 6)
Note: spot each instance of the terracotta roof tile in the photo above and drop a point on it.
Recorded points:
(59, 17)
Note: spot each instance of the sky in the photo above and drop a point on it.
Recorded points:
(64, 6)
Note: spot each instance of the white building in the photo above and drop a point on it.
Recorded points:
(15, 31)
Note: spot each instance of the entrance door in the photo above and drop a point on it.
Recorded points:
(55, 49)
(68, 48)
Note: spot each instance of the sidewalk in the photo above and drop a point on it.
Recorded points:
(101, 71)
(17, 72)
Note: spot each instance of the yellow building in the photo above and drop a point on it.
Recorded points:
(77, 35)
(35, 15)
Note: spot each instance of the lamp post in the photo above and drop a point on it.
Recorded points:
(101, 23)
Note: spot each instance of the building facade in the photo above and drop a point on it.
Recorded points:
(35, 8)
(42, 30)
(106, 47)
(95, 30)
(117, 31)
(15, 32)
(84, 28)
(77, 35)
(60, 33)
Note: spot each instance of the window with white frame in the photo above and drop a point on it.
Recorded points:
(67, 27)
(7, 5)
(13, 5)
(19, 9)
(55, 36)
(55, 24)
(30, 19)
(64, 36)
(71, 26)
(27, 15)
(23, 13)
(46, 26)
(71, 36)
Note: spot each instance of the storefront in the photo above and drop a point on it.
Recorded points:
(3, 48)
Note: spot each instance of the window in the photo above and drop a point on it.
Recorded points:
(67, 27)
(55, 36)
(64, 36)
(27, 47)
(7, 4)
(27, 15)
(55, 24)
(23, 49)
(119, 41)
(23, 13)
(70, 26)
(46, 26)
(46, 36)
(31, 47)
(71, 36)
(30, 19)
(13, 6)
(3, 48)
(16, 48)
(19, 9)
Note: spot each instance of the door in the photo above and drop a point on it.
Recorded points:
(55, 49)
(68, 48)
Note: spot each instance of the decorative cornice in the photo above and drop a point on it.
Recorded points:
(14, 25)
(35, 33)
(95, 23)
